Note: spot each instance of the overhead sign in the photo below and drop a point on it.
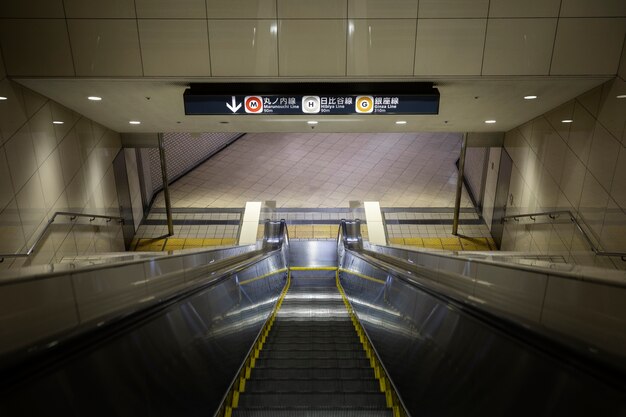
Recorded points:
(396, 101)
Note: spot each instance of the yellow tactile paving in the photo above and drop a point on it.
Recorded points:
(193, 241)
(432, 242)
(150, 245)
(303, 231)
(211, 242)
(322, 232)
(449, 241)
(173, 247)
(229, 241)
(414, 241)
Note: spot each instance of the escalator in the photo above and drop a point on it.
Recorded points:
(312, 362)
(311, 329)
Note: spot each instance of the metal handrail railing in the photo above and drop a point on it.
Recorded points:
(553, 215)
(72, 216)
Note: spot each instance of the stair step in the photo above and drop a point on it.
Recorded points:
(311, 399)
(258, 385)
(267, 354)
(312, 373)
(308, 362)
(317, 412)
(329, 345)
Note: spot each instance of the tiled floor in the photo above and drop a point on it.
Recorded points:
(312, 178)
(326, 170)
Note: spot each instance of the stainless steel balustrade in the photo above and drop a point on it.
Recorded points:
(41, 234)
(450, 352)
(172, 354)
(554, 215)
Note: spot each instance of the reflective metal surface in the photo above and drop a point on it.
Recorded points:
(178, 362)
(445, 362)
(313, 253)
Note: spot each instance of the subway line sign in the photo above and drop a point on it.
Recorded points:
(204, 103)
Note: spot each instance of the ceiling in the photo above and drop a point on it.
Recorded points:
(485, 56)
(465, 105)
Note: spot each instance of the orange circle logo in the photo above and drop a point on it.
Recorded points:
(253, 104)
(364, 104)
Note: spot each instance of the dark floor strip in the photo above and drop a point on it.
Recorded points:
(191, 222)
(332, 222)
(435, 221)
(198, 210)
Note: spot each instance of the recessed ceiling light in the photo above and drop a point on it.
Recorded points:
(566, 121)
(57, 122)
(490, 122)
(2, 98)
(312, 122)
(530, 97)
(621, 96)
(94, 98)
(401, 122)
(135, 122)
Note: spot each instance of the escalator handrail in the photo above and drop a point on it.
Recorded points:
(284, 244)
(46, 353)
(49, 271)
(341, 232)
(618, 278)
(566, 350)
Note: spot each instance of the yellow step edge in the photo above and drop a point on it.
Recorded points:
(385, 387)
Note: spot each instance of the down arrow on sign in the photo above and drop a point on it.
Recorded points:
(234, 107)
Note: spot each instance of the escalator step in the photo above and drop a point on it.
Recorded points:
(311, 399)
(313, 325)
(309, 354)
(325, 412)
(313, 363)
(330, 345)
(258, 385)
(311, 373)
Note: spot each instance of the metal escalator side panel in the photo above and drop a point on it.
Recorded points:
(433, 350)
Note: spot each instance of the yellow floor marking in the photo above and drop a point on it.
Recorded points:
(175, 241)
(322, 232)
(449, 240)
(417, 241)
(212, 242)
(432, 242)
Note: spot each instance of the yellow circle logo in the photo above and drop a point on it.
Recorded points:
(364, 104)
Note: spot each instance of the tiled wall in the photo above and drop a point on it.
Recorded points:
(132, 170)
(491, 182)
(474, 171)
(578, 166)
(45, 168)
(225, 38)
